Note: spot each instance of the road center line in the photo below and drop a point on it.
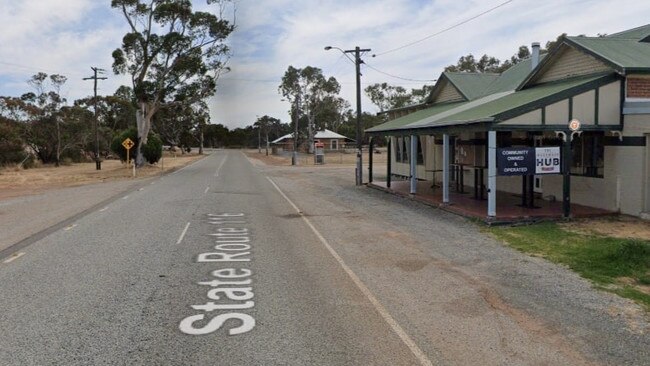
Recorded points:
(14, 257)
(417, 352)
(216, 173)
(183, 234)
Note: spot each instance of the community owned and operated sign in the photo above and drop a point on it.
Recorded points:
(528, 161)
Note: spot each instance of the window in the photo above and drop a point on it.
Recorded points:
(588, 154)
(420, 160)
(334, 144)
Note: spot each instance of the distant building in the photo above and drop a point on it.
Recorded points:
(332, 141)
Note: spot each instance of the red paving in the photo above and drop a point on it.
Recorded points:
(508, 205)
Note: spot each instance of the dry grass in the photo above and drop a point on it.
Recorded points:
(15, 182)
(331, 158)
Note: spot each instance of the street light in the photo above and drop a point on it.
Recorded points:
(357, 62)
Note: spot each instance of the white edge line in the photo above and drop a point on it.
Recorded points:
(103, 209)
(183, 234)
(125, 197)
(206, 190)
(14, 257)
(417, 352)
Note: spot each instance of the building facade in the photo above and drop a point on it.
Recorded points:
(600, 83)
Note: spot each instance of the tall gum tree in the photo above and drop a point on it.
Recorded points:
(172, 53)
(307, 88)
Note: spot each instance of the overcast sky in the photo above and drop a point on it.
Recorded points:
(69, 36)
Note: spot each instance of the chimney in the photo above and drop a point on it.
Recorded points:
(535, 55)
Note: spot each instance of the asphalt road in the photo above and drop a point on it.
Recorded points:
(229, 262)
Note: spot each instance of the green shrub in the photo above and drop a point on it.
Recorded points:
(152, 150)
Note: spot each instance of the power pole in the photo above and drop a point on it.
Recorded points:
(357, 62)
(98, 163)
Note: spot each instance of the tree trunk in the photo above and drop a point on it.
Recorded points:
(58, 142)
(310, 127)
(143, 118)
(201, 139)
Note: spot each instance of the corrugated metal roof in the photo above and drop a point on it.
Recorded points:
(414, 117)
(521, 98)
(637, 33)
(471, 84)
(325, 134)
(625, 53)
(490, 108)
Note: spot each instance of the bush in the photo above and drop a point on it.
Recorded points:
(152, 150)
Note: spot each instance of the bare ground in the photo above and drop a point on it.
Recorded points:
(17, 182)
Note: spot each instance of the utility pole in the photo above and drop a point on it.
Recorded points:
(357, 62)
(98, 163)
(296, 117)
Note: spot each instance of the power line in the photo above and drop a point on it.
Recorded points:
(447, 29)
(394, 76)
(35, 69)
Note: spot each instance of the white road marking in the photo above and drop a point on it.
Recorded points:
(14, 257)
(408, 341)
(206, 190)
(141, 189)
(183, 233)
(152, 183)
(125, 197)
(70, 227)
(103, 209)
(216, 173)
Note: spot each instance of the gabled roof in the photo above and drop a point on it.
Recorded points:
(471, 84)
(494, 107)
(637, 33)
(624, 55)
(325, 134)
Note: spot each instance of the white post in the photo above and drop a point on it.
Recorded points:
(414, 162)
(445, 168)
(492, 174)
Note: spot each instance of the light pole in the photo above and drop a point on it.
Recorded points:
(357, 62)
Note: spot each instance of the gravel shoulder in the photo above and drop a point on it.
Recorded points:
(470, 298)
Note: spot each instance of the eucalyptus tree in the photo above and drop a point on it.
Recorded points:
(307, 89)
(172, 53)
(40, 112)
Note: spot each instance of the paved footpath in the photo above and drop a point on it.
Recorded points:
(230, 262)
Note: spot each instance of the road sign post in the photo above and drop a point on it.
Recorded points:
(128, 144)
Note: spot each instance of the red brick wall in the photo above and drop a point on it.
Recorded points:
(638, 87)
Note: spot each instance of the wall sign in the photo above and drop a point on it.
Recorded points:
(528, 161)
(516, 161)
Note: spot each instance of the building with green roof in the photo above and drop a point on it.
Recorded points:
(469, 123)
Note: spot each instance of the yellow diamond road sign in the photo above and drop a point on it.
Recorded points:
(128, 144)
